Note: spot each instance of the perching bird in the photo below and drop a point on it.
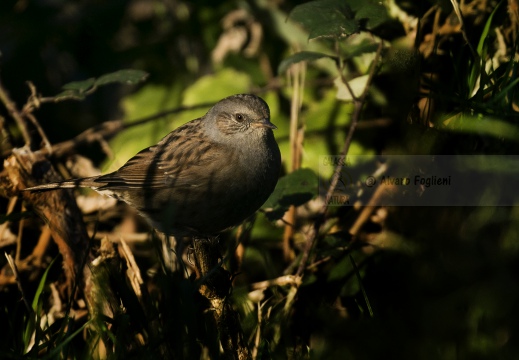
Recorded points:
(204, 177)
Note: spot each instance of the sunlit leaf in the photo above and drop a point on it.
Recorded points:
(339, 18)
(357, 85)
(217, 86)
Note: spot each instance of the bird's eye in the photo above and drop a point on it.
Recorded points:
(239, 117)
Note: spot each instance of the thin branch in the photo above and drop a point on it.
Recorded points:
(340, 68)
(98, 133)
(35, 100)
(359, 103)
(311, 236)
(110, 128)
(27, 113)
(5, 135)
(280, 281)
(15, 114)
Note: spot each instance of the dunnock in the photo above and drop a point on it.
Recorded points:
(204, 177)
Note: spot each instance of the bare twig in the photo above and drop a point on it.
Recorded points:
(340, 68)
(36, 124)
(257, 338)
(311, 236)
(327, 258)
(280, 281)
(107, 130)
(38, 252)
(35, 100)
(5, 135)
(15, 114)
(358, 103)
(133, 272)
(27, 113)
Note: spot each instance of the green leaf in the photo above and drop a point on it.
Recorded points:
(504, 92)
(302, 56)
(127, 76)
(364, 47)
(79, 89)
(293, 189)
(80, 86)
(326, 18)
(486, 30)
(341, 270)
(374, 14)
(41, 286)
(56, 351)
(70, 94)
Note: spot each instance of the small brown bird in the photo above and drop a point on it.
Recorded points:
(204, 177)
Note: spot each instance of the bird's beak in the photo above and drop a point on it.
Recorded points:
(264, 123)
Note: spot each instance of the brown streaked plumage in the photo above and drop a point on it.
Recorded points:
(206, 176)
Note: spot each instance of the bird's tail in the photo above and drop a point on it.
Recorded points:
(89, 182)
